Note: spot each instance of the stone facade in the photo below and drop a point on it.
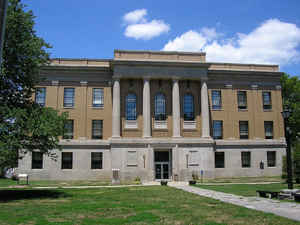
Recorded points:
(173, 148)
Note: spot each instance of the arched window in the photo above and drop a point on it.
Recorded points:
(188, 107)
(131, 107)
(160, 107)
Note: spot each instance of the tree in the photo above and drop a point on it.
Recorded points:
(291, 100)
(24, 125)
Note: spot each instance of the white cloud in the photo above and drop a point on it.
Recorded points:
(135, 16)
(139, 28)
(273, 42)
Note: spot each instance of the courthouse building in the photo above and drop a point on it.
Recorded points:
(161, 115)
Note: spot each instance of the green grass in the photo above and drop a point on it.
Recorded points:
(243, 180)
(246, 189)
(53, 183)
(126, 205)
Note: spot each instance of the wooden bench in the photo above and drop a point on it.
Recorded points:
(267, 194)
(297, 197)
(23, 175)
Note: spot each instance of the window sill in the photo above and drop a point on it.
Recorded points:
(161, 129)
(268, 110)
(36, 169)
(97, 108)
(66, 169)
(69, 107)
(130, 129)
(217, 109)
(243, 110)
(97, 169)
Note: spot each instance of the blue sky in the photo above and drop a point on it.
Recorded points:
(244, 31)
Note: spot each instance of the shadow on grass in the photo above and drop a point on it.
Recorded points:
(12, 195)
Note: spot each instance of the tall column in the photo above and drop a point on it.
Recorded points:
(116, 109)
(146, 108)
(204, 111)
(176, 108)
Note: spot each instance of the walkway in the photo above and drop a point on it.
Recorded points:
(285, 209)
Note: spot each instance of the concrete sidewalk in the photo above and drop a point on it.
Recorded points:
(285, 209)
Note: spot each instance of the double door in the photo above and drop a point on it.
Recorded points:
(162, 170)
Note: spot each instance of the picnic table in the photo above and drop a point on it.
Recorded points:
(21, 176)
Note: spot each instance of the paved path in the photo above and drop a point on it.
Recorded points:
(285, 209)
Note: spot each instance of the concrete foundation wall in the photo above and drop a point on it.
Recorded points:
(138, 162)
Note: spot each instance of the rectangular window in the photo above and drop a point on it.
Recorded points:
(67, 160)
(242, 99)
(40, 96)
(98, 99)
(246, 159)
(268, 129)
(217, 129)
(96, 158)
(219, 160)
(69, 95)
(216, 99)
(37, 160)
(97, 129)
(267, 101)
(244, 130)
(271, 158)
(69, 129)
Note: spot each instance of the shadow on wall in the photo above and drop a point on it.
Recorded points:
(12, 195)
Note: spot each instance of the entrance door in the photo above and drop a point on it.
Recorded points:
(162, 163)
(162, 170)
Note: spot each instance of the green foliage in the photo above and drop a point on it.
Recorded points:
(24, 125)
(291, 100)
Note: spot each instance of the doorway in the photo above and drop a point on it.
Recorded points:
(163, 164)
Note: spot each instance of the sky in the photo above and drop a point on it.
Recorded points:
(237, 31)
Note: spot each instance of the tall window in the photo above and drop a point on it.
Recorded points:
(242, 99)
(188, 107)
(131, 107)
(97, 129)
(98, 97)
(267, 101)
(216, 99)
(219, 160)
(217, 129)
(69, 94)
(271, 158)
(40, 96)
(244, 130)
(67, 160)
(268, 129)
(246, 159)
(160, 107)
(37, 160)
(96, 160)
(69, 128)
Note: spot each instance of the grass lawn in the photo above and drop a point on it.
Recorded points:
(246, 189)
(52, 183)
(243, 180)
(126, 205)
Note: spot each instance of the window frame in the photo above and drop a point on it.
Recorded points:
(267, 106)
(269, 164)
(101, 98)
(214, 129)
(67, 98)
(188, 107)
(131, 115)
(37, 163)
(214, 106)
(246, 156)
(242, 94)
(66, 164)
(266, 131)
(96, 164)
(65, 136)
(245, 136)
(43, 97)
(219, 165)
(94, 122)
(160, 116)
